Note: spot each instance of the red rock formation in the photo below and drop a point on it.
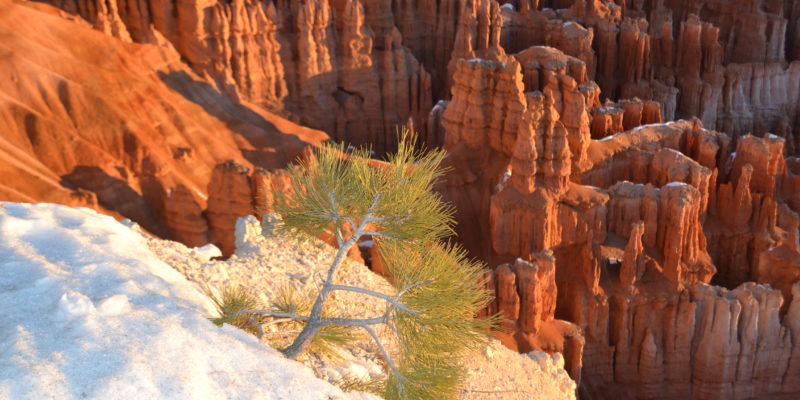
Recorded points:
(480, 129)
(545, 29)
(623, 220)
(91, 120)
(265, 184)
(633, 262)
(539, 172)
(311, 60)
(429, 30)
(722, 58)
(526, 299)
(631, 256)
(183, 214)
(671, 225)
(564, 81)
(606, 120)
(612, 117)
(230, 196)
(478, 33)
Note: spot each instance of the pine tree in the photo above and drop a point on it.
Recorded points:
(438, 291)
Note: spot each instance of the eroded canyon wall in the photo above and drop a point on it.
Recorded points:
(338, 66)
(639, 223)
(94, 121)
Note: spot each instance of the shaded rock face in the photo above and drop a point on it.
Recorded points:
(230, 197)
(525, 294)
(338, 66)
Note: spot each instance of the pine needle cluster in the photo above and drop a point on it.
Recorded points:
(230, 302)
(438, 291)
(238, 307)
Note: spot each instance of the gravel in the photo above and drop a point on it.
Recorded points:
(263, 264)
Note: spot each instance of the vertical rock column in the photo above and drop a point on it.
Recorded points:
(229, 197)
(183, 215)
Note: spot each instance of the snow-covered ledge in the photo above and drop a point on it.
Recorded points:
(95, 309)
(90, 312)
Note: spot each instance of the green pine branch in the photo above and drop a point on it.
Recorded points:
(438, 289)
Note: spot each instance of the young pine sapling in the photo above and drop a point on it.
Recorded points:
(438, 291)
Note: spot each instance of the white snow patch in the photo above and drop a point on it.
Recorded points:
(653, 125)
(89, 312)
(676, 184)
(247, 228)
(72, 305)
(503, 180)
(611, 137)
(207, 251)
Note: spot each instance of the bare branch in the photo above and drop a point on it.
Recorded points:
(393, 300)
(281, 333)
(313, 325)
(334, 211)
(374, 203)
(252, 321)
(386, 356)
(339, 241)
(382, 349)
(277, 321)
(362, 322)
(391, 326)
(272, 314)
(334, 217)
(350, 221)
(412, 286)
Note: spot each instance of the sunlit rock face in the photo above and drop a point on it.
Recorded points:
(639, 228)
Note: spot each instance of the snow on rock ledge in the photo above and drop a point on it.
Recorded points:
(90, 312)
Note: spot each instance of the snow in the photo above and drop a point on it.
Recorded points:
(90, 312)
(611, 137)
(207, 251)
(503, 180)
(653, 125)
(676, 184)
